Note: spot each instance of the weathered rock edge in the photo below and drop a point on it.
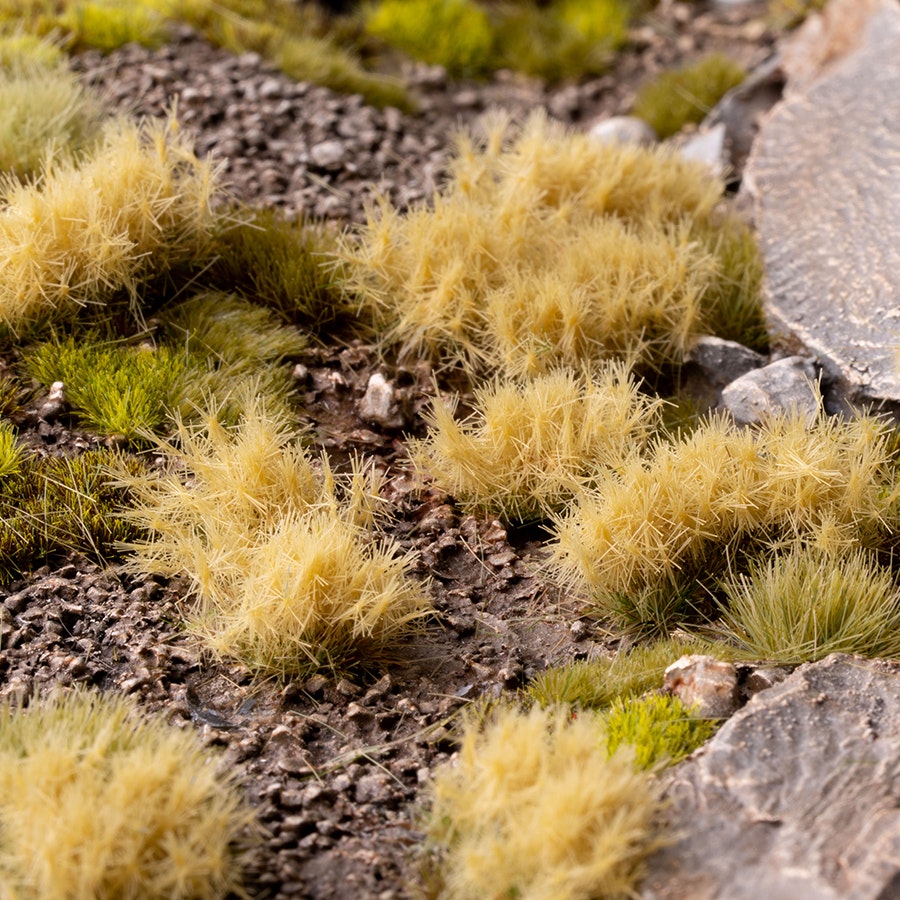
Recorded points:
(797, 796)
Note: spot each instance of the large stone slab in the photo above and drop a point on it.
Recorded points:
(825, 177)
(796, 798)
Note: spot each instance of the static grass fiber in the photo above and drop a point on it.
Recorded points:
(287, 569)
(99, 803)
(546, 248)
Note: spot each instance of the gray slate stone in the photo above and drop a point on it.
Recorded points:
(825, 175)
(722, 361)
(795, 798)
(783, 386)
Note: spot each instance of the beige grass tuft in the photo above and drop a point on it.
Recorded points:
(281, 553)
(545, 248)
(91, 229)
(534, 808)
(684, 511)
(528, 447)
(97, 803)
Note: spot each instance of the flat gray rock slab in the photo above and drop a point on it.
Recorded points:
(796, 797)
(825, 178)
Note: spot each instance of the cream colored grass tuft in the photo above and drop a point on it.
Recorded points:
(43, 109)
(528, 447)
(89, 230)
(696, 502)
(281, 553)
(545, 248)
(534, 808)
(97, 803)
(807, 603)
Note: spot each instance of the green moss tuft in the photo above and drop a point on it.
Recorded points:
(455, 34)
(807, 603)
(99, 803)
(281, 553)
(114, 389)
(528, 448)
(684, 96)
(533, 807)
(109, 24)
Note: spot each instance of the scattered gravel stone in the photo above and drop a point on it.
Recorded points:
(706, 685)
(787, 385)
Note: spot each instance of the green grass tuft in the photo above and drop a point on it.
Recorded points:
(455, 34)
(528, 448)
(807, 603)
(11, 455)
(533, 807)
(92, 230)
(286, 266)
(99, 803)
(658, 728)
(546, 248)
(21, 49)
(685, 96)
(109, 24)
(595, 684)
(44, 110)
(665, 524)
(281, 553)
(114, 389)
(55, 504)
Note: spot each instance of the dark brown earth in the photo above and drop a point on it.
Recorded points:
(338, 768)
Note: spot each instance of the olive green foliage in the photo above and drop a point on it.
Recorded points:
(789, 13)
(665, 524)
(282, 554)
(529, 447)
(806, 603)
(10, 396)
(108, 24)
(52, 504)
(545, 248)
(10, 452)
(287, 266)
(456, 34)
(90, 231)
(534, 808)
(44, 111)
(113, 388)
(683, 96)
(100, 803)
(228, 342)
(596, 683)
(659, 728)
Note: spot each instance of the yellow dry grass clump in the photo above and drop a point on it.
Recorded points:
(97, 803)
(546, 248)
(88, 230)
(535, 808)
(529, 447)
(281, 553)
(687, 510)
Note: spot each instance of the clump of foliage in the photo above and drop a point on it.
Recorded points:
(99, 803)
(52, 504)
(529, 447)
(534, 807)
(19, 48)
(546, 248)
(790, 13)
(11, 453)
(44, 111)
(658, 727)
(456, 34)
(281, 553)
(597, 683)
(704, 502)
(227, 342)
(801, 605)
(89, 231)
(114, 388)
(684, 96)
(109, 24)
(287, 266)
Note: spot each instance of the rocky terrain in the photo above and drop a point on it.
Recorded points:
(339, 768)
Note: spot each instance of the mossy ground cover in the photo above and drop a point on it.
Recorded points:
(292, 571)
